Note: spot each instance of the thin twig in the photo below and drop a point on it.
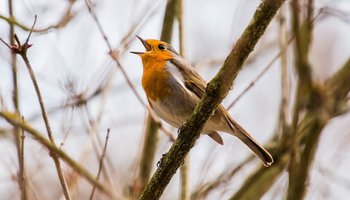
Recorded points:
(67, 16)
(184, 169)
(115, 56)
(15, 98)
(3, 41)
(100, 165)
(267, 67)
(15, 120)
(305, 92)
(98, 144)
(22, 175)
(203, 191)
(284, 74)
(22, 51)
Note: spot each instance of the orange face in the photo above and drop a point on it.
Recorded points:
(155, 49)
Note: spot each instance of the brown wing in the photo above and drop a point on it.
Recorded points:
(196, 84)
(193, 81)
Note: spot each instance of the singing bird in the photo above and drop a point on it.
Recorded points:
(173, 89)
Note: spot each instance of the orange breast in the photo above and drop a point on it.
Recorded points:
(155, 80)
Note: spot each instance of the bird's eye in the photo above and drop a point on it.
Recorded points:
(161, 47)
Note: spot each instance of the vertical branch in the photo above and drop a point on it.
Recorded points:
(22, 174)
(184, 179)
(48, 128)
(284, 76)
(180, 15)
(17, 134)
(168, 21)
(184, 169)
(311, 98)
(13, 60)
(22, 51)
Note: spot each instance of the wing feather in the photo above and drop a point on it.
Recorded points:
(196, 84)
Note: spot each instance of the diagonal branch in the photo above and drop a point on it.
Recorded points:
(217, 89)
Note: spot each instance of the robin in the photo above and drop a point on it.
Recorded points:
(173, 89)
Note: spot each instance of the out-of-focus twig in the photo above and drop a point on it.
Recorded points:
(268, 66)
(185, 168)
(168, 21)
(308, 94)
(21, 49)
(116, 58)
(260, 181)
(22, 174)
(202, 191)
(100, 165)
(15, 98)
(283, 43)
(327, 101)
(66, 17)
(15, 120)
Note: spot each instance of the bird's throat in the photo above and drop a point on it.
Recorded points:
(155, 80)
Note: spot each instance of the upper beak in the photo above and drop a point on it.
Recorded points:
(145, 44)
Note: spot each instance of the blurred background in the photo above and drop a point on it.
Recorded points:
(85, 93)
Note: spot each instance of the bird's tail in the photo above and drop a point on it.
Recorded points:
(247, 139)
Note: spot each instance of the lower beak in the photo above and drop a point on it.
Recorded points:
(145, 44)
(137, 53)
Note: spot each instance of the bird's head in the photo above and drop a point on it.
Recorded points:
(156, 49)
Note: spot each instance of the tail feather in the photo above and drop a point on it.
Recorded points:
(247, 139)
(258, 150)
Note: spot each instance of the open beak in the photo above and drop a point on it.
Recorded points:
(145, 44)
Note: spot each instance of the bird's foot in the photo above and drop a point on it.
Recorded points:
(161, 161)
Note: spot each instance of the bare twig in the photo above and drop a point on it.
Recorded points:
(22, 51)
(115, 56)
(267, 67)
(97, 144)
(260, 181)
(202, 191)
(100, 165)
(307, 96)
(15, 98)
(22, 174)
(15, 120)
(168, 21)
(284, 74)
(67, 16)
(184, 169)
